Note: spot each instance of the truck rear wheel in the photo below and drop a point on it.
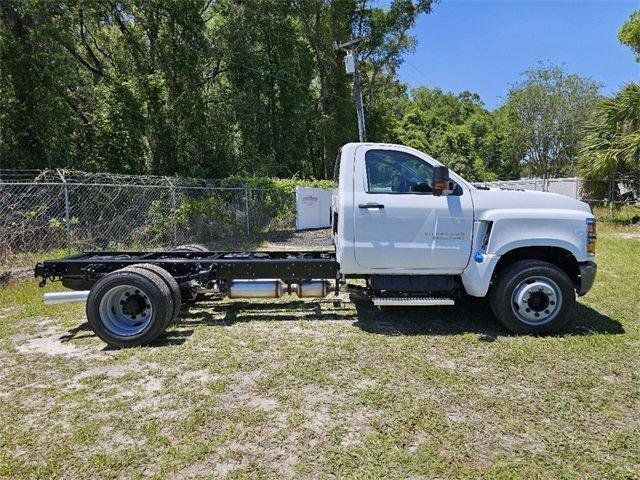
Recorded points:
(169, 281)
(129, 308)
(533, 296)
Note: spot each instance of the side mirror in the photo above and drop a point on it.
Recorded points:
(442, 184)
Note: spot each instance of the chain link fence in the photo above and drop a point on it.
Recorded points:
(41, 211)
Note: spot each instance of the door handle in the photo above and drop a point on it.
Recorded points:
(370, 205)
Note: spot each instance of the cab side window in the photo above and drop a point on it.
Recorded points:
(390, 171)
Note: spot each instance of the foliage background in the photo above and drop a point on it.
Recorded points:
(205, 88)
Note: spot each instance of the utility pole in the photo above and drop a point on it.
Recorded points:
(351, 67)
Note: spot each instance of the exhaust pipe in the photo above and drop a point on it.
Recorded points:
(273, 288)
(257, 289)
(66, 297)
(313, 288)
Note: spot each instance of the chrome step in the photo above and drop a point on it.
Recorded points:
(412, 301)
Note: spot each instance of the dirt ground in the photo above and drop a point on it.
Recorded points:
(326, 388)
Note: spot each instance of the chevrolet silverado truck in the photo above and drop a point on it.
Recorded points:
(417, 234)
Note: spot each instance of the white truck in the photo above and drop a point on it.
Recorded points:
(416, 234)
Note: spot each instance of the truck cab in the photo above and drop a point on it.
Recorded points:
(401, 219)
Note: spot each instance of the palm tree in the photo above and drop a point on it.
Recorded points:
(611, 147)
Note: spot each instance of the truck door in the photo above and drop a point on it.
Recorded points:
(399, 224)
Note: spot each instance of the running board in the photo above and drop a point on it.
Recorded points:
(412, 301)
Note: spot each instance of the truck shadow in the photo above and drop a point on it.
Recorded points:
(226, 314)
(470, 315)
(170, 337)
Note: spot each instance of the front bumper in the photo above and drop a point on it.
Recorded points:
(587, 277)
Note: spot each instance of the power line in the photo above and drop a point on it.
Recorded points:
(412, 79)
(420, 72)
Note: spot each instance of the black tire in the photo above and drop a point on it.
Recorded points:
(168, 279)
(191, 248)
(550, 293)
(148, 287)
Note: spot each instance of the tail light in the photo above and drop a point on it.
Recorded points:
(591, 235)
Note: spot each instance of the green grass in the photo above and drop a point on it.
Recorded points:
(29, 259)
(618, 214)
(328, 388)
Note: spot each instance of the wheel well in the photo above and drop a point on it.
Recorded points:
(557, 256)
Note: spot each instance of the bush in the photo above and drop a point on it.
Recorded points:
(204, 216)
(272, 200)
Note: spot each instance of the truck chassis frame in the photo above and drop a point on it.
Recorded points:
(80, 272)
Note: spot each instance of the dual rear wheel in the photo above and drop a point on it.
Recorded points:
(134, 305)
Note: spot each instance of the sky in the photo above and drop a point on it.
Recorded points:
(484, 45)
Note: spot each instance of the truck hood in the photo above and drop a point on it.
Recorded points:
(545, 203)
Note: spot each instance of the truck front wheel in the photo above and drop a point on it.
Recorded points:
(533, 296)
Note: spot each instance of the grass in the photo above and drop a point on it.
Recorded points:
(29, 259)
(328, 388)
(619, 214)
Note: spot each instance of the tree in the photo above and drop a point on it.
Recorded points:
(195, 87)
(456, 129)
(150, 59)
(37, 119)
(323, 22)
(386, 39)
(386, 33)
(629, 33)
(106, 85)
(611, 147)
(547, 112)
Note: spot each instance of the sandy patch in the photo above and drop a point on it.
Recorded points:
(51, 345)
(200, 376)
(5, 311)
(117, 440)
(51, 341)
(365, 383)
(238, 455)
(111, 371)
(358, 427)
(625, 235)
(263, 403)
(417, 439)
(209, 467)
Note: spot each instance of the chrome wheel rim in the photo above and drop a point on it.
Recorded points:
(125, 310)
(536, 300)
